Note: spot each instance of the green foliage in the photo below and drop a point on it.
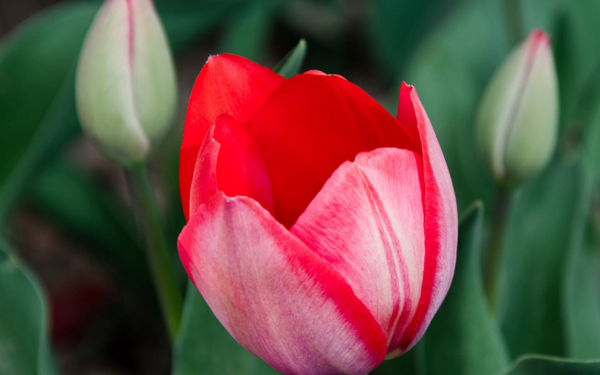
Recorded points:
(538, 365)
(463, 338)
(291, 63)
(537, 241)
(24, 342)
(37, 109)
(204, 347)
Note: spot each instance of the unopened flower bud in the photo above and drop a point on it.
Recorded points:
(126, 86)
(518, 116)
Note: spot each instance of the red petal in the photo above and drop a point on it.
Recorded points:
(441, 219)
(367, 222)
(227, 84)
(229, 161)
(309, 127)
(275, 296)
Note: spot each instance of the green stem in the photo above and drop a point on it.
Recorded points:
(514, 20)
(146, 212)
(494, 258)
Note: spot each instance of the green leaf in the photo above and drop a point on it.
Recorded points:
(463, 338)
(581, 293)
(537, 240)
(291, 63)
(204, 347)
(24, 342)
(541, 365)
(37, 110)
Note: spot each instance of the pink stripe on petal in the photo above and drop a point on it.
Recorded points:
(274, 295)
(367, 222)
(441, 219)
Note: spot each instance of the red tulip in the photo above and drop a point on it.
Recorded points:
(322, 231)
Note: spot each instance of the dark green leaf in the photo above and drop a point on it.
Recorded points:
(537, 240)
(37, 92)
(204, 347)
(463, 338)
(540, 365)
(581, 293)
(291, 64)
(24, 342)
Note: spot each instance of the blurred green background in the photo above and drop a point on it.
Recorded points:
(65, 223)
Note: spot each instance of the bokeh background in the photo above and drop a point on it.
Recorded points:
(64, 207)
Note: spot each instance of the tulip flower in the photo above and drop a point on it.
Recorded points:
(321, 231)
(517, 124)
(126, 86)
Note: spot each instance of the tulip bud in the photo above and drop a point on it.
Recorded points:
(518, 116)
(126, 88)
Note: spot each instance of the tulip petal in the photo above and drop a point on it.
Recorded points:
(276, 297)
(229, 161)
(308, 127)
(227, 84)
(441, 218)
(367, 222)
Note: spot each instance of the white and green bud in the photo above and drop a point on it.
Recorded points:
(517, 123)
(126, 85)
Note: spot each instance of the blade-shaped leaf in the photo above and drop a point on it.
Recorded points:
(291, 63)
(204, 347)
(541, 365)
(24, 342)
(536, 244)
(37, 109)
(581, 290)
(463, 338)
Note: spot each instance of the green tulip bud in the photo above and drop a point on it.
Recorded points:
(517, 123)
(126, 85)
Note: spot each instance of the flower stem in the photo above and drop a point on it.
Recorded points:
(494, 259)
(157, 251)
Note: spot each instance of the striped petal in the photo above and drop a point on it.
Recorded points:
(276, 297)
(367, 222)
(441, 219)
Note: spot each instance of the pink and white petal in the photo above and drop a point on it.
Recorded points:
(441, 219)
(275, 296)
(367, 222)
(230, 161)
(227, 84)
